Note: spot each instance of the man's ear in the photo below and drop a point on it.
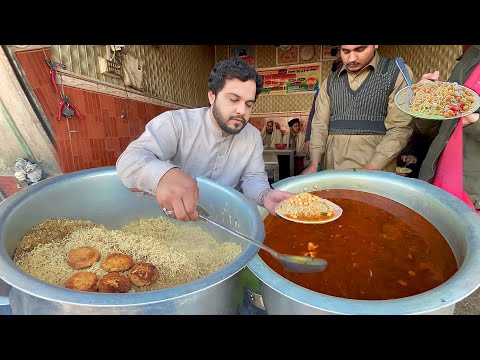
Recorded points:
(211, 97)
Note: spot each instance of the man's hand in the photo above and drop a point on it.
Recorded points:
(429, 77)
(306, 147)
(273, 198)
(409, 159)
(370, 167)
(470, 119)
(177, 191)
(311, 168)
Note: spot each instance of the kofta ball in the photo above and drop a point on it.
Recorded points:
(117, 262)
(83, 281)
(82, 257)
(143, 274)
(114, 282)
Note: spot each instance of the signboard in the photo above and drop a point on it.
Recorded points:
(292, 79)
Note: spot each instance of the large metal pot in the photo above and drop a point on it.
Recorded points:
(459, 224)
(98, 195)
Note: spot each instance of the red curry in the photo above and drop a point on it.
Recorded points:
(377, 250)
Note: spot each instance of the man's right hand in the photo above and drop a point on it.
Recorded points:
(177, 191)
(307, 147)
(311, 168)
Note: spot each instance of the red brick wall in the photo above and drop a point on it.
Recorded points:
(8, 186)
(101, 137)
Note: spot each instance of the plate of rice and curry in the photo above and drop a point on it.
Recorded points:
(307, 208)
(437, 100)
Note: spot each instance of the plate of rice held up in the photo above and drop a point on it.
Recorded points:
(437, 100)
(307, 208)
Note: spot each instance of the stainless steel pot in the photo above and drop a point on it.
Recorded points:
(98, 195)
(459, 224)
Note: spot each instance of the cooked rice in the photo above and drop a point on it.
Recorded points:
(52, 230)
(440, 98)
(181, 253)
(305, 205)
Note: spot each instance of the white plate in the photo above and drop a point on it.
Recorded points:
(337, 212)
(404, 97)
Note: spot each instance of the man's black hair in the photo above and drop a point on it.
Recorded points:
(234, 68)
(293, 122)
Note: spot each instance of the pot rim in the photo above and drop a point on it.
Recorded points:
(465, 281)
(18, 279)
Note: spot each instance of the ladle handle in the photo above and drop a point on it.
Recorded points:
(233, 232)
(401, 65)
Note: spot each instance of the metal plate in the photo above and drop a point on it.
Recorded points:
(307, 52)
(337, 212)
(404, 98)
(285, 47)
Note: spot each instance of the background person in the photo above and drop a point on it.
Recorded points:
(296, 141)
(356, 123)
(413, 154)
(272, 135)
(216, 142)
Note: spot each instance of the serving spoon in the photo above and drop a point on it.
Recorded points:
(401, 65)
(293, 263)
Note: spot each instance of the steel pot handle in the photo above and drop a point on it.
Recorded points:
(4, 291)
(4, 301)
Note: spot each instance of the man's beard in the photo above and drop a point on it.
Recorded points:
(223, 123)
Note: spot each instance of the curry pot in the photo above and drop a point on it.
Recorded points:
(98, 195)
(457, 222)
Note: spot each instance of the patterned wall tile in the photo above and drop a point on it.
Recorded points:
(425, 58)
(176, 73)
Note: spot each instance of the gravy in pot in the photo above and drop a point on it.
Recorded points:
(377, 250)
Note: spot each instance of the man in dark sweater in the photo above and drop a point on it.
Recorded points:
(356, 124)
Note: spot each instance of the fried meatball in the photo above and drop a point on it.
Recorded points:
(117, 262)
(114, 282)
(83, 281)
(82, 257)
(143, 274)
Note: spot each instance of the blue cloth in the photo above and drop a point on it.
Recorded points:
(310, 117)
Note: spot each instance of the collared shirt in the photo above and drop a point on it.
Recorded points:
(397, 123)
(188, 139)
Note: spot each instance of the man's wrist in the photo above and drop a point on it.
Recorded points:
(262, 196)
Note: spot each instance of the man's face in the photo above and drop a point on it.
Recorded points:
(356, 57)
(232, 106)
(269, 127)
(295, 128)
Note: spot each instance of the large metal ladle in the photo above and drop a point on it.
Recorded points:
(401, 65)
(293, 263)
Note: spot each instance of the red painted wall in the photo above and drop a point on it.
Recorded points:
(102, 136)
